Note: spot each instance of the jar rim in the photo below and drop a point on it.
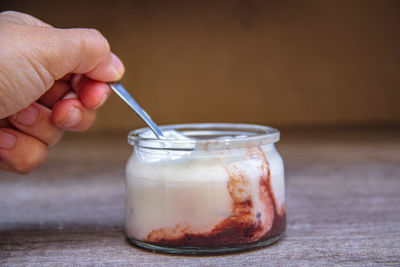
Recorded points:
(209, 136)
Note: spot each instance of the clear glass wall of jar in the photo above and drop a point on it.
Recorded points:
(205, 189)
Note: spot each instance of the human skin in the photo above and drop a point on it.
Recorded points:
(51, 80)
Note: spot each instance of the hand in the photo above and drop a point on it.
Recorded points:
(51, 80)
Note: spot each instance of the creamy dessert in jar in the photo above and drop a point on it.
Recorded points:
(205, 188)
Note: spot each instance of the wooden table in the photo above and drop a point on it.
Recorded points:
(343, 204)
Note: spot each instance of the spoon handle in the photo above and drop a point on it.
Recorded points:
(123, 93)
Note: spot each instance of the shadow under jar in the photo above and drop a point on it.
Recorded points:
(205, 189)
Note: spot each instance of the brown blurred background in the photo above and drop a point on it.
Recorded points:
(283, 63)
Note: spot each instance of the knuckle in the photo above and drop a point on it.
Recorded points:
(21, 18)
(54, 137)
(50, 134)
(100, 39)
(92, 42)
(11, 17)
(23, 169)
(10, 13)
(31, 161)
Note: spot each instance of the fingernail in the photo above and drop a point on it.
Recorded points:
(70, 95)
(74, 117)
(77, 81)
(7, 140)
(27, 116)
(117, 64)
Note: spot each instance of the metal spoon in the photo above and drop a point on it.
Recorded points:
(121, 91)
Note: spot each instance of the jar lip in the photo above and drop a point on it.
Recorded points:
(212, 136)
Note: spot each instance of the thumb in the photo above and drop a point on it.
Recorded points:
(34, 55)
(81, 51)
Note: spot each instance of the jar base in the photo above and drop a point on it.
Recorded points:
(204, 250)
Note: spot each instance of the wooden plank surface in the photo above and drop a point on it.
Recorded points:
(343, 205)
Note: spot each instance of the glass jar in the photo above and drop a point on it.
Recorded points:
(205, 189)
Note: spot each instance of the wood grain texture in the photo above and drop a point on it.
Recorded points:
(343, 205)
